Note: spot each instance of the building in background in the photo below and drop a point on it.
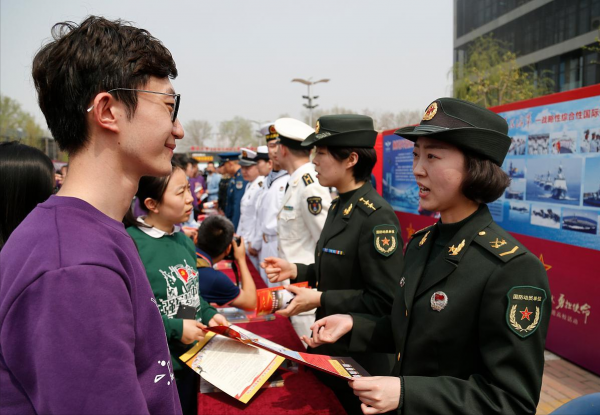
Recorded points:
(549, 35)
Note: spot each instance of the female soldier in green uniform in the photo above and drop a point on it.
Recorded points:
(471, 311)
(359, 253)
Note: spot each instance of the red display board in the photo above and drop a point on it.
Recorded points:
(552, 206)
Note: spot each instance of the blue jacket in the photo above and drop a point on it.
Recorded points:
(235, 192)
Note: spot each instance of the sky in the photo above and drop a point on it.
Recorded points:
(238, 57)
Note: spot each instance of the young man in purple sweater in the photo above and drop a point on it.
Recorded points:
(80, 331)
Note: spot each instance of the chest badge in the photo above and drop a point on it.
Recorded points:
(315, 205)
(402, 282)
(386, 239)
(239, 185)
(439, 301)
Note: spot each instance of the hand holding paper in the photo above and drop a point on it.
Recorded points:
(305, 299)
(378, 394)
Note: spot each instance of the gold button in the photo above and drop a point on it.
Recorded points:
(407, 312)
(481, 233)
(398, 356)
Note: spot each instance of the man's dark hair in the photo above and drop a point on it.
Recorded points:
(367, 157)
(215, 235)
(26, 179)
(192, 161)
(298, 152)
(485, 181)
(210, 162)
(82, 61)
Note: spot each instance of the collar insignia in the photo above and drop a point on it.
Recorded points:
(454, 251)
(348, 210)
(424, 239)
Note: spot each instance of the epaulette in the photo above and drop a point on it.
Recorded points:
(202, 263)
(367, 205)
(499, 243)
(307, 179)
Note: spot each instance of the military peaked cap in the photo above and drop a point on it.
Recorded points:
(344, 130)
(465, 125)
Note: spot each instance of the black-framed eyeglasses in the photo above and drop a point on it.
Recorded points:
(177, 98)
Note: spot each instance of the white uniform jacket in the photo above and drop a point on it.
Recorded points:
(248, 210)
(302, 216)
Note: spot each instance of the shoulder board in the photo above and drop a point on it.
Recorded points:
(307, 179)
(499, 243)
(421, 231)
(368, 205)
(202, 263)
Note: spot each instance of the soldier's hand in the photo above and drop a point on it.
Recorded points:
(378, 394)
(278, 269)
(305, 299)
(329, 329)
(252, 251)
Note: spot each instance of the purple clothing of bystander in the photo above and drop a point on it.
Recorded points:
(80, 331)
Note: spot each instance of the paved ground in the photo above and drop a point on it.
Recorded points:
(564, 381)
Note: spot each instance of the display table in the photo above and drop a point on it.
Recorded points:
(302, 392)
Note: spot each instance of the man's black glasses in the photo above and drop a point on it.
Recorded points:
(177, 98)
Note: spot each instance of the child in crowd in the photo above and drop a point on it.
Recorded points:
(215, 242)
(26, 179)
(168, 257)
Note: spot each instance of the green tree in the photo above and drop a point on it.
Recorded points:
(17, 124)
(197, 133)
(491, 76)
(238, 132)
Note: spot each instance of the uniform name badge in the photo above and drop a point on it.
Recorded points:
(524, 310)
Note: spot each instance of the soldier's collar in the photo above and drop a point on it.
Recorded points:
(350, 204)
(458, 244)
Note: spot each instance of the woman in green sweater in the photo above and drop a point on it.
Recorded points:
(169, 258)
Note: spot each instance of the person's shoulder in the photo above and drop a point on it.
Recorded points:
(372, 204)
(502, 245)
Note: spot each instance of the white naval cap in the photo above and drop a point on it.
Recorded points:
(262, 153)
(292, 132)
(247, 157)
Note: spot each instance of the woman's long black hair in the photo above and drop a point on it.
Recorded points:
(26, 179)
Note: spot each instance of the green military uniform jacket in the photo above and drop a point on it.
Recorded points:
(483, 351)
(358, 260)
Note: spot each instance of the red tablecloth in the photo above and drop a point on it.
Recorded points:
(301, 394)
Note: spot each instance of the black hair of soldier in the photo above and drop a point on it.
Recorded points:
(484, 181)
(26, 179)
(298, 152)
(153, 188)
(85, 59)
(215, 235)
(367, 157)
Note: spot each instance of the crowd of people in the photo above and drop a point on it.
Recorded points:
(99, 295)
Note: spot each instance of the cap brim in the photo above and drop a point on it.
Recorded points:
(358, 138)
(487, 143)
(247, 163)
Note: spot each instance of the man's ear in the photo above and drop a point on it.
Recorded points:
(105, 112)
(151, 205)
(228, 250)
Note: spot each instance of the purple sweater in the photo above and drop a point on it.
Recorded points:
(80, 331)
